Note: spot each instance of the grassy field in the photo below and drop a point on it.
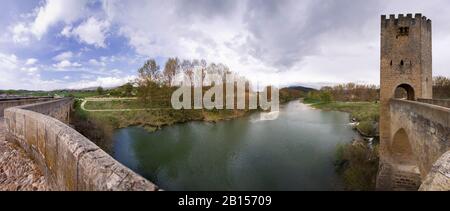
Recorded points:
(125, 104)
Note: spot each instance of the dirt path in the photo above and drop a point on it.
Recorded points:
(17, 171)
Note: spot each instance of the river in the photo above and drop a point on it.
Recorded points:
(296, 151)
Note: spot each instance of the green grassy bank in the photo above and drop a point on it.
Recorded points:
(366, 113)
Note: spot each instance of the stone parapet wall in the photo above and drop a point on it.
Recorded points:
(4, 104)
(438, 102)
(69, 161)
(428, 129)
(439, 177)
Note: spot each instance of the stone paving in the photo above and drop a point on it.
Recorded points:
(17, 171)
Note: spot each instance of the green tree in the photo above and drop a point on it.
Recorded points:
(325, 96)
(100, 90)
(128, 89)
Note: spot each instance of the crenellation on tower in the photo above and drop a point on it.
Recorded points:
(428, 24)
(402, 19)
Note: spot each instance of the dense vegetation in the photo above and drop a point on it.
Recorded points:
(352, 92)
(290, 94)
(357, 163)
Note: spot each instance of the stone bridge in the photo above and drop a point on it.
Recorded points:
(418, 151)
(414, 127)
(68, 160)
(7, 103)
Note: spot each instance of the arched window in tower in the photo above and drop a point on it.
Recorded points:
(402, 63)
(391, 62)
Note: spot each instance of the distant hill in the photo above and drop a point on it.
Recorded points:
(96, 87)
(301, 88)
(293, 93)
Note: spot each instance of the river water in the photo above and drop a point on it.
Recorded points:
(295, 151)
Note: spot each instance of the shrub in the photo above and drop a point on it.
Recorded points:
(367, 127)
(357, 163)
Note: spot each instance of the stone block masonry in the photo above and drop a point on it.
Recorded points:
(439, 177)
(426, 147)
(17, 171)
(438, 102)
(68, 160)
(4, 104)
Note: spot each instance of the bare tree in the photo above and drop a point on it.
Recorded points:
(187, 68)
(150, 71)
(149, 79)
(441, 87)
(170, 70)
(354, 92)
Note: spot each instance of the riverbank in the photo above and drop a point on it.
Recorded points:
(120, 114)
(357, 163)
(364, 115)
(99, 126)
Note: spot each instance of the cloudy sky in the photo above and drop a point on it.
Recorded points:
(52, 44)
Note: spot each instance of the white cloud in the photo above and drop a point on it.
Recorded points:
(92, 32)
(14, 76)
(31, 61)
(50, 13)
(67, 31)
(103, 82)
(63, 56)
(20, 33)
(8, 62)
(97, 63)
(55, 11)
(66, 64)
(30, 70)
(310, 42)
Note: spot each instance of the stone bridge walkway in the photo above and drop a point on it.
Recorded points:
(17, 171)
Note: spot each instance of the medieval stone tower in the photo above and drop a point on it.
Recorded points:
(406, 64)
